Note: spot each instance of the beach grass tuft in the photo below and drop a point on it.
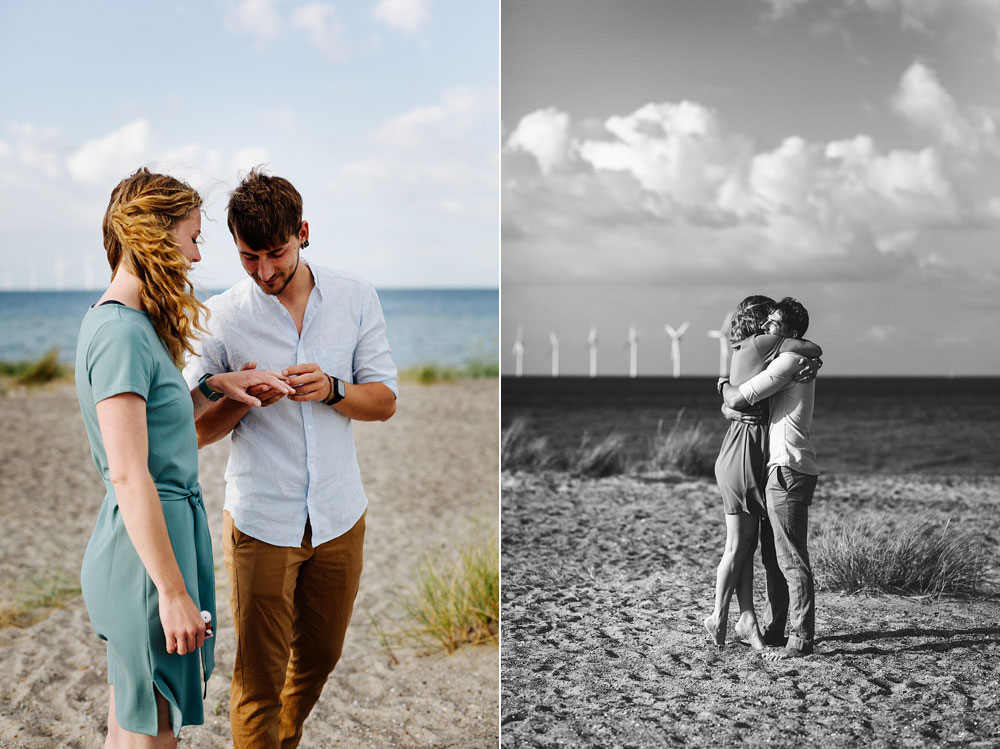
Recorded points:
(427, 374)
(597, 458)
(34, 604)
(455, 598)
(921, 556)
(520, 450)
(45, 369)
(687, 449)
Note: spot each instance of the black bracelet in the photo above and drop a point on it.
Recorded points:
(212, 395)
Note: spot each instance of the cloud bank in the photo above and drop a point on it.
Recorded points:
(668, 193)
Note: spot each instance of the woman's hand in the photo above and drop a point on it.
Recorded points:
(753, 415)
(264, 393)
(234, 385)
(183, 627)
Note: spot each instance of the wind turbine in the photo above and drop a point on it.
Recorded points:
(633, 357)
(554, 345)
(723, 335)
(592, 342)
(519, 352)
(675, 346)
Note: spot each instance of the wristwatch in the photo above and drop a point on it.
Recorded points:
(337, 391)
(206, 390)
(722, 381)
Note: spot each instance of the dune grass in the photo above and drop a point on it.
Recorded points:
(455, 598)
(45, 369)
(920, 556)
(688, 449)
(427, 374)
(685, 449)
(597, 458)
(38, 599)
(521, 450)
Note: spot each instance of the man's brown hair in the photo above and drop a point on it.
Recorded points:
(264, 211)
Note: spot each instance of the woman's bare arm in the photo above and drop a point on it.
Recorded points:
(122, 420)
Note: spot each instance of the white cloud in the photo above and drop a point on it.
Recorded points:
(402, 15)
(668, 186)
(319, 23)
(544, 134)
(258, 18)
(5, 150)
(879, 333)
(34, 148)
(923, 101)
(454, 113)
(193, 163)
(249, 157)
(110, 158)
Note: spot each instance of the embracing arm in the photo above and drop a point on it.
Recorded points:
(122, 420)
(778, 376)
(800, 346)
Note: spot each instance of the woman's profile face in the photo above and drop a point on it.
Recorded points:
(185, 233)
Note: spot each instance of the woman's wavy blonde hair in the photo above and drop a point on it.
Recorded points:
(144, 207)
(750, 317)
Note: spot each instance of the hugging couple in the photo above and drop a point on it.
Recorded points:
(766, 471)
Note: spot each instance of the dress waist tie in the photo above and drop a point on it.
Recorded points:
(206, 570)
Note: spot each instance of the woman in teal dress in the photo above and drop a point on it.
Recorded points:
(148, 573)
(741, 468)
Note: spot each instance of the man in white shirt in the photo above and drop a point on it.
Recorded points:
(295, 507)
(791, 483)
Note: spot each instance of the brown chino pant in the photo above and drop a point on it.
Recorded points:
(291, 607)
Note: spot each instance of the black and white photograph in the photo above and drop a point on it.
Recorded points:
(749, 442)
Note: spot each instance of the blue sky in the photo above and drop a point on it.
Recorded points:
(383, 113)
(662, 160)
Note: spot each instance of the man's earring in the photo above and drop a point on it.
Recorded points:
(304, 245)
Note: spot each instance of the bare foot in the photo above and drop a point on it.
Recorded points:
(780, 654)
(716, 633)
(748, 631)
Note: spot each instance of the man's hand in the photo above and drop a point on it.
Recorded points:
(810, 368)
(310, 382)
(753, 414)
(264, 393)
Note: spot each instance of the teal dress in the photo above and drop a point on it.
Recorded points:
(119, 352)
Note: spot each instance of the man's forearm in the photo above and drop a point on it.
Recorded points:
(218, 420)
(369, 401)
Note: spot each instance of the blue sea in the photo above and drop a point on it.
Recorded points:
(927, 425)
(439, 326)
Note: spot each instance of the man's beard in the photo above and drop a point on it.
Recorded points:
(276, 291)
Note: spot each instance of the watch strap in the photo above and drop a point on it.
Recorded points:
(335, 391)
(212, 395)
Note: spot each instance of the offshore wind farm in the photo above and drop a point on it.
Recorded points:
(515, 356)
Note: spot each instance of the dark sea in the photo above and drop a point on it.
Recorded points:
(944, 426)
(439, 326)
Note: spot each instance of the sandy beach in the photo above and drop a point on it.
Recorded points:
(430, 475)
(606, 583)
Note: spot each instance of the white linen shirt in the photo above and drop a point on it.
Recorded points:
(791, 412)
(293, 461)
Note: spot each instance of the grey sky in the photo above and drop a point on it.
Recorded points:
(663, 160)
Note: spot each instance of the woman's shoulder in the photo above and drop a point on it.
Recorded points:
(112, 325)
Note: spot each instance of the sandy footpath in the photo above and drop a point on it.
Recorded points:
(606, 583)
(430, 474)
